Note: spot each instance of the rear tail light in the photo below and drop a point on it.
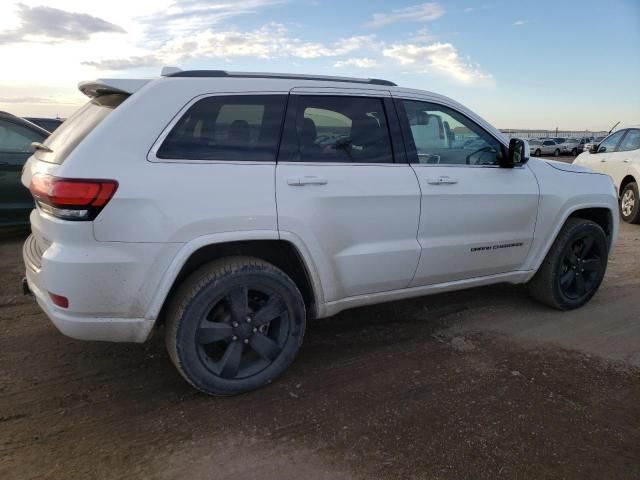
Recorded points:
(71, 198)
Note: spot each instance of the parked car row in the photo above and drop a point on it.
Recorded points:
(558, 146)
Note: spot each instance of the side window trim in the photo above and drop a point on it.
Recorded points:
(412, 151)
(289, 147)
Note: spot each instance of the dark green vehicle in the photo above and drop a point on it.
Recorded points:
(16, 135)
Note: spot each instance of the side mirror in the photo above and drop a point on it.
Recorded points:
(518, 153)
(593, 148)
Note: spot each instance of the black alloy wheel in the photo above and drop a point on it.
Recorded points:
(235, 325)
(574, 267)
(581, 268)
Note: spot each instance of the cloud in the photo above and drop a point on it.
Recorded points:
(268, 42)
(37, 100)
(357, 62)
(518, 23)
(425, 12)
(439, 57)
(44, 24)
(126, 63)
(188, 16)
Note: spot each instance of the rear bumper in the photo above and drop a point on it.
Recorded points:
(109, 285)
(89, 328)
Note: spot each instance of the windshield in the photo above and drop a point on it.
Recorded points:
(78, 126)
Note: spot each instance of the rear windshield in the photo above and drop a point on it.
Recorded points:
(68, 135)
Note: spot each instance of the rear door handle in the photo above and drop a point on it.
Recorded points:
(310, 180)
(604, 160)
(442, 180)
(4, 164)
(626, 160)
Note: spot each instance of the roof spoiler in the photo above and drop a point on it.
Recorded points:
(101, 86)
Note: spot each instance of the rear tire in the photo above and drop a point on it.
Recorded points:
(630, 203)
(537, 153)
(234, 325)
(574, 268)
(574, 152)
(556, 153)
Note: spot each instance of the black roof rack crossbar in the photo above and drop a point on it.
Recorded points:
(288, 76)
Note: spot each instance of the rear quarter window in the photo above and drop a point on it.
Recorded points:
(233, 128)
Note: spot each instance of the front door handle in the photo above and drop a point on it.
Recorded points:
(626, 160)
(604, 160)
(442, 180)
(4, 164)
(310, 180)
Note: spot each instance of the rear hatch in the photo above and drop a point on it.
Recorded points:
(61, 200)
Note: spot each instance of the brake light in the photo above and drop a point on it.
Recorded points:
(71, 198)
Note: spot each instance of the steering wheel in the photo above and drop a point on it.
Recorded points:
(480, 150)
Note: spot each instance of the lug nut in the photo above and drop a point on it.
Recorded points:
(248, 319)
(246, 340)
(234, 338)
(235, 324)
(255, 329)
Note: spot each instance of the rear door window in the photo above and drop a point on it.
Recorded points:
(338, 129)
(234, 128)
(68, 135)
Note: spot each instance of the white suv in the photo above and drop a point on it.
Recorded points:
(232, 207)
(618, 156)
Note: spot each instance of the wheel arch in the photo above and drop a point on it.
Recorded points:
(281, 253)
(602, 214)
(625, 181)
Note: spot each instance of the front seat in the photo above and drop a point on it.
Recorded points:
(369, 141)
(238, 134)
(308, 135)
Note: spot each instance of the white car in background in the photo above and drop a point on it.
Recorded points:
(618, 156)
(543, 147)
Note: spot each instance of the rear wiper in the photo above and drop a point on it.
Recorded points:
(39, 146)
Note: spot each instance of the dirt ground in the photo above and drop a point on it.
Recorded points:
(477, 384)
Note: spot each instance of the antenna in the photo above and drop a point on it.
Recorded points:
(613, 127)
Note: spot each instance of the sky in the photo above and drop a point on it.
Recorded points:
(544, 64)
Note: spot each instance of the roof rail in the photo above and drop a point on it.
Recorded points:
(290, 76)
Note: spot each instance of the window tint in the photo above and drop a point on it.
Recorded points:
(237, 128)
(549, 142)
(15, 138)
(339, 129)
(631, 141)
(74, 130)
(609, 143)
(444, 136)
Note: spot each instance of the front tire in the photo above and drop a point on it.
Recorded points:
(537, 153)
(235, 325)
(574, 268)
(630, 203)
(556, 153)
(574, 152)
